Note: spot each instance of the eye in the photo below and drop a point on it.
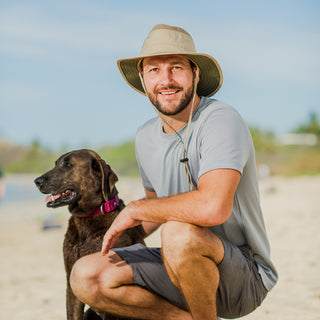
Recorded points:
(176, 68)
(152, 70)
(68, 164)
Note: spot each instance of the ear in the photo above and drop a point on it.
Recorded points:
(108, 177)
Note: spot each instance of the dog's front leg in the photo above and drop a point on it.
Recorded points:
(75, 308)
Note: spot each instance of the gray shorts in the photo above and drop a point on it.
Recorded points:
(240, 289)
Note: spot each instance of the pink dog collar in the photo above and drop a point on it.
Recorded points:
(106, 207)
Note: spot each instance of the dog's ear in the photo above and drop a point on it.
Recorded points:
(108, 177)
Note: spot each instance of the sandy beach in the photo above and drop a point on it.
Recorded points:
(32, 278)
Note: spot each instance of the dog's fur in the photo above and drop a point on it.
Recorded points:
(83, 181)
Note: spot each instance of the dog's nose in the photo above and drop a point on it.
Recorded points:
(39, 182)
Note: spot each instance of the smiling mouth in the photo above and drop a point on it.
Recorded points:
(168, 93)
(60, 199)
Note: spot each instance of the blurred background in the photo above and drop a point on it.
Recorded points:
(60, 89)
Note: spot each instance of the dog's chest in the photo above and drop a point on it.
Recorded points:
(80, 241)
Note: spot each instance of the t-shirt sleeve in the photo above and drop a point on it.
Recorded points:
(225, 141)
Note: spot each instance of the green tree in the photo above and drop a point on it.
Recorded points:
(264, 141)
(312, 126)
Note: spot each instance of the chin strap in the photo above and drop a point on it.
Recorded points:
(184, 159)
(106, 207)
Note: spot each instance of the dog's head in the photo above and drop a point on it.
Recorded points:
(80, 179)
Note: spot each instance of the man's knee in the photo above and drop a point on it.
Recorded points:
(84, 277)
(183, 241)
(94, 276)
(178, 235)
(179, 242)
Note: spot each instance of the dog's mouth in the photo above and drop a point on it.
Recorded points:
(61, 199)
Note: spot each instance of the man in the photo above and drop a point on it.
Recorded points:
(197, 165)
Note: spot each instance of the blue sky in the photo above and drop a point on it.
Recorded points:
(59, 82)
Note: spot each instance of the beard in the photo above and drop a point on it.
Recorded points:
(182, 104)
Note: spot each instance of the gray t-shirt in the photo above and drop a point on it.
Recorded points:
(218, 138)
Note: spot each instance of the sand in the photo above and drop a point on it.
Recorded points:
(32, 278)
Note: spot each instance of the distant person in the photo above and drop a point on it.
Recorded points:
(2, 185)
(197, 164)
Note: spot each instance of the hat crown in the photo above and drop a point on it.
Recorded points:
(164, 39)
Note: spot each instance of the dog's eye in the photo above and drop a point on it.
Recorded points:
(68, 164)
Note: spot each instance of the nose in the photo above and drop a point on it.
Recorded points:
(39, 182)
(166, 76)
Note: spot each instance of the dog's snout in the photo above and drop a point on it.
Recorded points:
(39, 182)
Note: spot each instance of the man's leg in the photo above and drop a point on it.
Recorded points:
(191, 255)
(106, 283)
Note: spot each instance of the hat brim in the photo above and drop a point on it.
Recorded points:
(210, 72)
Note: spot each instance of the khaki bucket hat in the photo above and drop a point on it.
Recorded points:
(164, 40)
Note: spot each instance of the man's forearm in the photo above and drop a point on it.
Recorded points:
(190, 207)
(211, 204)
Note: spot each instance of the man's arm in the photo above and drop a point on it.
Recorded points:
(211, 204)
(149, 227)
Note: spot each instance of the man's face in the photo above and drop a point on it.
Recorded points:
(169, 81)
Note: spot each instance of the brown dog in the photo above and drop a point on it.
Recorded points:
(84, 182)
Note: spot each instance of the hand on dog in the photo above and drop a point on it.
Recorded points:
(122, 222)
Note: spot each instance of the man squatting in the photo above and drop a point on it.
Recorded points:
(197, 164)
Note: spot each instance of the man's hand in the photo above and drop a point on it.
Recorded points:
(122, 222)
